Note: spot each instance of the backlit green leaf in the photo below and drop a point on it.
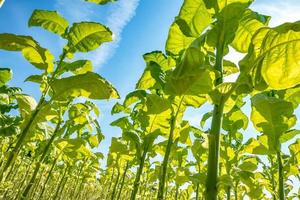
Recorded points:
(5, 76)
(87, 36)
(90, 85)
(49, 20)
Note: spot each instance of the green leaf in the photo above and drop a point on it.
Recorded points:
(135, 139)
(49, 20)
(87, 36)
(195, 16)
(117, 108)
(5, 76)
(288, 135)
(151, 78)
(26, 104)
(134, 97)
(77, 67)
(272, 116)
(229, 68)
(166, 63)
(235, 120)
(94, 141)
(259, 146)
(122, 123)
(221, 93)
(249, 164)
(273, 59)
(90, 85)
(74, 149)
(295, 150)
(156, 114)
(228, 21)
(177, 41)
(248, 25)
(205, 117)
(35, 78)
(198, 83)
(32, 51)
(101, 2)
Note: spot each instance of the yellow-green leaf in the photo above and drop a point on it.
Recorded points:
(88, 36)
(49, 20)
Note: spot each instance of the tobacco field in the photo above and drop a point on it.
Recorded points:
(51, 146)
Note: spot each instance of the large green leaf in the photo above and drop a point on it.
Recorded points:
(32, 51)
(193, 17)
(159, 58)
(177, 41)
(152, 78)
(26, 104)
(273, 59)
(199, 83)
(5, 76)
(73, 149)
(227, 23)
(156, 114)
(134, 97)
(87, 36)
(248, 25)
(272, 116)
(90, 85)
(77, 67)
(192, 20)
(258, 146)
(49, 20)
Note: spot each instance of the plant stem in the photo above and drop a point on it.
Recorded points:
(14, 153)
(280, 177)
(123, 180)
(138, 175)
(214, 135)
(197, 191)
(48, 177)
(38, 165)
(115, 186)
(60, 183)
(162, 179)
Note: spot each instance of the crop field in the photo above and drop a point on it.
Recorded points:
(210, 113)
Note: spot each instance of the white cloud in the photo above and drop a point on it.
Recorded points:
(121, 13)
(116, 21)
(281, 10)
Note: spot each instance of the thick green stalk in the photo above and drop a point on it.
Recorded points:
(162, 179)
(197, 191)
(48, 178)
(177, 191)
(60, 183)
(123, 180)
(271, 177)
(110, 183)
(38, 165)
(138, 175)
(14, 153)
(115, 186)
(280, 177)
(214, 135)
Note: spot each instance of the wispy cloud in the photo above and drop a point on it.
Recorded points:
(116, 19)
(281, 10)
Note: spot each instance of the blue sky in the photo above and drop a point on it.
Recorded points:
(140, 26)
